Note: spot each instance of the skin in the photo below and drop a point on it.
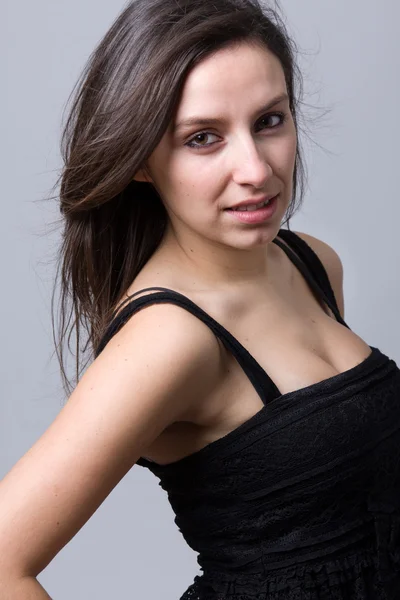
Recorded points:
(246, 157)
(164, 386)
(231, 269)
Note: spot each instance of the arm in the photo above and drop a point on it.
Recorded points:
(332, 263)
(161, 363)
(26, 588)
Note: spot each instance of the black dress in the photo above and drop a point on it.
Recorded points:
(302, 501)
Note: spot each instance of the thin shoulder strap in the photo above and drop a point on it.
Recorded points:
(310, 265)
(263, 384)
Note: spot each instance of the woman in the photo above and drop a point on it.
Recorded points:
(274, 428)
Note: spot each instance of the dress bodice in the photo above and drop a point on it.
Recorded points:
(302, 501)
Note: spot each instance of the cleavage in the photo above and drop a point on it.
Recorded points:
(298, 354)
(302, 352)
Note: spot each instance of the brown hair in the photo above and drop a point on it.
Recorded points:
(123, 103)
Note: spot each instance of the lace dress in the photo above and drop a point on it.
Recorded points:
(302, 501)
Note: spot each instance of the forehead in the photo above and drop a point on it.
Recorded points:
(241, 75)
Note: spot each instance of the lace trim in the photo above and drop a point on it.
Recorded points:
(354, 577)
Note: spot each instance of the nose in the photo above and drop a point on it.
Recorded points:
(250, 165)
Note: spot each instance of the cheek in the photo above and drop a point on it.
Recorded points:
(288, 146)
(292, 150)
(285, 156)
(292, 141)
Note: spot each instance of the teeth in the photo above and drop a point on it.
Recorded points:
(252, 207)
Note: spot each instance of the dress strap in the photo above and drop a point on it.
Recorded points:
(262, 383)
(311, 267)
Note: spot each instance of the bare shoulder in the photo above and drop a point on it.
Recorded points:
(162, 361)
(332, 263)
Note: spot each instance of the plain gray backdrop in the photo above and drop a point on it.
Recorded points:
(131, 547)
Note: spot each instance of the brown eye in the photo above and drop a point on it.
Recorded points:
(280, 118)
(191, 143)
(275, 119)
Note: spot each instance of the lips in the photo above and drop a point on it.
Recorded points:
(251, 207)
(251, 201)
(251, 216)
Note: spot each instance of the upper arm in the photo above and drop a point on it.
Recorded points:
(158, 364)
(332, 263)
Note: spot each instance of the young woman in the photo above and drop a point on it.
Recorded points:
(222, 361)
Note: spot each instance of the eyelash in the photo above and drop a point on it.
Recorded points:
(190, 143)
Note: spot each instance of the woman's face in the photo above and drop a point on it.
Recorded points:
(199, 170)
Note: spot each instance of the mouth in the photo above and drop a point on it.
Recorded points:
(255, 213)
(252, 207)
(252, 204)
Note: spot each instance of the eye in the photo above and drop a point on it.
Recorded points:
(279, 117)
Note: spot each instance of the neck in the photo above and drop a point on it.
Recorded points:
(215, 264)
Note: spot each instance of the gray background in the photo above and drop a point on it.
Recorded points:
(131, 547)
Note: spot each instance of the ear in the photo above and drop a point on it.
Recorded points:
(142, 175)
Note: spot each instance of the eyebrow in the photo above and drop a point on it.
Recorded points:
(206, 121)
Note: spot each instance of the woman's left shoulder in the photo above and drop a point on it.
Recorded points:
(332, 263)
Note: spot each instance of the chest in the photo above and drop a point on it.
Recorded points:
(293, 337)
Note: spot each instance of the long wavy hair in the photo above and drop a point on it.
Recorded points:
(121, 107)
